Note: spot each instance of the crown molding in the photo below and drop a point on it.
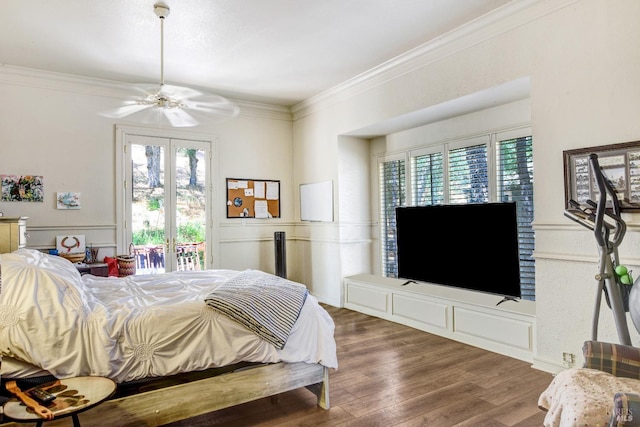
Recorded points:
(48, 80)
(513, 15)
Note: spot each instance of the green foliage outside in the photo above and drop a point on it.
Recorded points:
(153, 204)
(189, 232)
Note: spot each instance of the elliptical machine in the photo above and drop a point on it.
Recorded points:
(609, 230)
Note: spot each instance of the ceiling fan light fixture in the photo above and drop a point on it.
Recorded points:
(176, 104)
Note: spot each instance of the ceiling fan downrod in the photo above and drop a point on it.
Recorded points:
(162, 11)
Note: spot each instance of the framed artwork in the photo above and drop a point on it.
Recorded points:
(67, 200)
(620, 164)
(22, 188)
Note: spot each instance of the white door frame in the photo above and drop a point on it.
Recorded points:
(123, 222)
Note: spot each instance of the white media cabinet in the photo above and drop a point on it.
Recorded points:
(470, 317)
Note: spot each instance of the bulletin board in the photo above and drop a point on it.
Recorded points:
(253, 198)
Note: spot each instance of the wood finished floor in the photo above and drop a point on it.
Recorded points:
(393, 375)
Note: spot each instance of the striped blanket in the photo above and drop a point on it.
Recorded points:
(265, 304)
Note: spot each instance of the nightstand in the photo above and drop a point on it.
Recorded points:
(97, 269)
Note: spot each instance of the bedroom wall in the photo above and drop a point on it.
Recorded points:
(50, 127)
(582, 61)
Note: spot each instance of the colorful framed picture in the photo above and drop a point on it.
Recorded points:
(22, 188)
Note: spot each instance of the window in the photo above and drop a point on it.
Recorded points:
(496, 167)
(392, 194)
(468, 174)
(428, 182)
(515, 183)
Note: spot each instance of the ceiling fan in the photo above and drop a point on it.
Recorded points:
(179, 105)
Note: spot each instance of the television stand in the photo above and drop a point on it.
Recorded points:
(459, 314)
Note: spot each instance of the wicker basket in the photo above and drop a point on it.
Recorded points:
(127, 263)
(79, 257)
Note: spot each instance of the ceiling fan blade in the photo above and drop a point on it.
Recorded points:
(144, 89)
(213, 105)
(220, 110)
(125, 110)
(180, 92)
(179, 118)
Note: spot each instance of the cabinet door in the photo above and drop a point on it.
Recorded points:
(5, 238)
(21, 234)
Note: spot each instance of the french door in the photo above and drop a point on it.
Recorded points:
(166, 202)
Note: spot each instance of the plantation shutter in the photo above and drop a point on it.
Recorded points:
(392, 195)
(427, 179)
(468, 174)
(514, 173)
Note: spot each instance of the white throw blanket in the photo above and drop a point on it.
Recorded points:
(135, 327)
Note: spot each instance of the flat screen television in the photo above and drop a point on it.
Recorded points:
(471, 246)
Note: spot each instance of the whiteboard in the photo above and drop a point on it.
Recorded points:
(316, 201)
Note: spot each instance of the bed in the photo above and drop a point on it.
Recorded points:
(135, 329)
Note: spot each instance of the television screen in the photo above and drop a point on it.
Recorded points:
(472, 246)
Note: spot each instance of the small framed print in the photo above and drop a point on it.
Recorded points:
(620, 164)
(68, 200)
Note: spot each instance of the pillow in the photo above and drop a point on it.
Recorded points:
(112, 264)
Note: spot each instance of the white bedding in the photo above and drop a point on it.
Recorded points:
(137, 326)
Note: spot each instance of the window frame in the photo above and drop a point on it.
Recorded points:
(382, 212)
(490, 140)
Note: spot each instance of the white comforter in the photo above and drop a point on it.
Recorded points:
(135, 327)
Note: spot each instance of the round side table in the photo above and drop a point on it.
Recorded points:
(73, 395)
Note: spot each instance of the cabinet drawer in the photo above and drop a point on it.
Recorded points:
(420, 310)
(367, 297)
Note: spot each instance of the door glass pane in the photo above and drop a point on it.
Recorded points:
(190, 209)
(147, 207)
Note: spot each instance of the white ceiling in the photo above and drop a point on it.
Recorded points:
(274, 51)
